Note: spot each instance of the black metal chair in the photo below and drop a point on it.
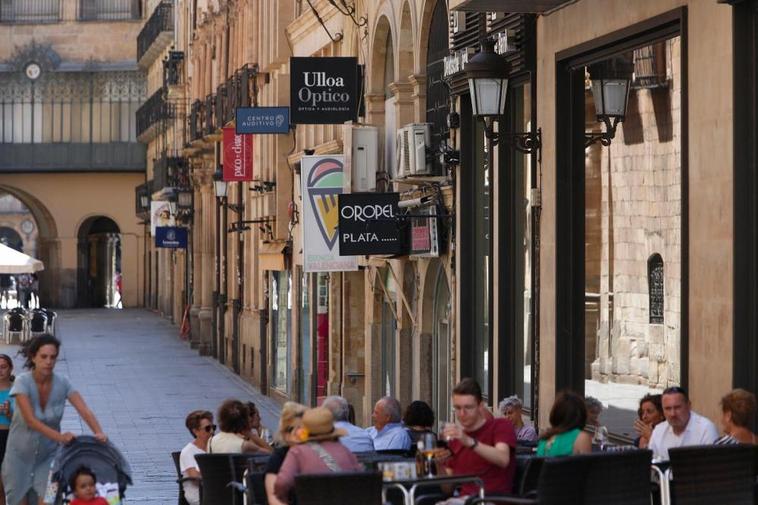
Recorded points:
(221, 473)
(256, 488)
(179, 478)
(364, 488)
(621, 478)
(704, 475)
(526, 481)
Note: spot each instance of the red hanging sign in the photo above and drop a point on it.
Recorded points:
(238, 156)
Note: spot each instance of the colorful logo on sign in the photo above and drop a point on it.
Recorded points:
(324, 185)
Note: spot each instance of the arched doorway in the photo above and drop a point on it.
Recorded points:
(99, 263)
(11, 238)
(436, 341)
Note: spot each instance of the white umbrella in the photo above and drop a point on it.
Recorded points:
(14, 262)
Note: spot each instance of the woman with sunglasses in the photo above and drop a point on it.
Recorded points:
(201, 427)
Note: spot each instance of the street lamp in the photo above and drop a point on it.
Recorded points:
(220, 186)
(610, 81)
(487, 74)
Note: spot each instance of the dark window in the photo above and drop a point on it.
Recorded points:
(437, 91)
(655, 286)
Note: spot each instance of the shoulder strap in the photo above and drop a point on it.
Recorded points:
(327, 458)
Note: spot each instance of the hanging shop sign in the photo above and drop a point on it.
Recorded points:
(160, 215)
(324, 90)
(238, 156)
(426, 240)
(262, 120)
(171, 237)
(370, 223)
(322, 182)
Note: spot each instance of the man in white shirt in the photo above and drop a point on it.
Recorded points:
(388, 433)
(357, 440)
(683, 427)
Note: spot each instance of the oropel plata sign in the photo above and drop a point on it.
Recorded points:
(323, 90)
(370, 223)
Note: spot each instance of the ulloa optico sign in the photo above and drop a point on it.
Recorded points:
(324, 90)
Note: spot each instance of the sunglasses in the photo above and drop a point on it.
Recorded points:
(209, 428)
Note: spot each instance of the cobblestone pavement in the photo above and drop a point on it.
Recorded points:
(141, 380)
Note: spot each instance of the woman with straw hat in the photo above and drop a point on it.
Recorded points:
(318, 450)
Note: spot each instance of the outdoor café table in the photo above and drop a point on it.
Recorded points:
(409, 487)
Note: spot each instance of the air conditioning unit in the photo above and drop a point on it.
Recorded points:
(361, 146)
(413, 142)
(458, 21)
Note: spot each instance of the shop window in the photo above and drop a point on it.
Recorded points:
(632, 203)
(281, 315)
(388, 332)
(441, 339)
(655, 286)
(437, 90)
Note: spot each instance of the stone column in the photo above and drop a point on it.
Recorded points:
(207, 258)
(418, 82)
(403, 93)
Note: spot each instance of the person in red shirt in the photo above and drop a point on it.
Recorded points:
(481, 445)
(85, 491)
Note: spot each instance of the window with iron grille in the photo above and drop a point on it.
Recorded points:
(30, 11)
(651, 66)
(75, 107)
(437, 91)
(108, 10)
(655, 282)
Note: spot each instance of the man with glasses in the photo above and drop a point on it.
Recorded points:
(479, 444)
(200, 425)
(683, 426)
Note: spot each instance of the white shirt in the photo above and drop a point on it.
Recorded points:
(699, 431)
(187, 461)
(225, 443)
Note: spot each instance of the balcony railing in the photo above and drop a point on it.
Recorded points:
(154, 110)
(30, 11)
(73, 157)
(209, 125)
(109, 10)
(170, 171)
(156, 35)
(196, 119)
(236, 93)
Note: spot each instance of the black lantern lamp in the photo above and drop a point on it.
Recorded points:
(610, 81)
(487, 73)
(144, 201)
(184, 199)
(220, 186)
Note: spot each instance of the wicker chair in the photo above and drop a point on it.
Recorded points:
(704, 475)
(364, 488)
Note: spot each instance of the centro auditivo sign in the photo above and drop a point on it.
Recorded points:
(324, 90)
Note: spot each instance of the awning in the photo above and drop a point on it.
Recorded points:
(14, 262)
(271, 256)
(510, 6)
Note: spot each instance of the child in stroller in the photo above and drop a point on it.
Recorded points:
(85, 491)
(100, 460)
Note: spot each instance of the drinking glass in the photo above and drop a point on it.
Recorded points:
(430, 442)
(266, 435)
(601, 437)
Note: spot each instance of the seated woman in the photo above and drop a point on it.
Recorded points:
(233, 420)
(317, 451)
(738, 414)
(289, 422)
(200, 425)
(650, 414)
(256, 429)
(511, 408)
(594, 410)
(418, 420)
(566, 435)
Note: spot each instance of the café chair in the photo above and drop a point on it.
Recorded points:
(220, 475)
(181, 479)
(704, 475)
(350, 488)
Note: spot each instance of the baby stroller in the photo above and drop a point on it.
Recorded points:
(112, 470)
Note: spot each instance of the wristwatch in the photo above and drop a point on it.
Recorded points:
(473, 446)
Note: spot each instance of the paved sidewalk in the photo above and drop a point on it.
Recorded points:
(141, 380)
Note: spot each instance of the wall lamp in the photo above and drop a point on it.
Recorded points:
(487, 74)
(610, 81)
(263, 186)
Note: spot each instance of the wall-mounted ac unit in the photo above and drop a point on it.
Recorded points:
(413, 143)
(361, 147)
(458, 21)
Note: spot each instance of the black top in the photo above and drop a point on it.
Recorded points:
(276, 460)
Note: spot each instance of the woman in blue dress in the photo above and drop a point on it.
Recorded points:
(40, 396)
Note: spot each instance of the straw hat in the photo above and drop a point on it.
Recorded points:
(318, 424)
